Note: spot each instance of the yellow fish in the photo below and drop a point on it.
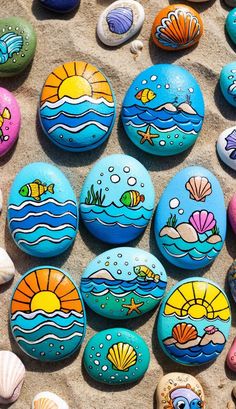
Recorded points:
(145, 95)
(145, 272)
(36, 189)
(5, 115)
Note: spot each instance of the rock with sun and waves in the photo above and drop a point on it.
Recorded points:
(123, 283)
(77, 107)
(117, 199)
(42, 211)
(228, 82)
(163, 110)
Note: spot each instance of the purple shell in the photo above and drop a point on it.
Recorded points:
(120, 20)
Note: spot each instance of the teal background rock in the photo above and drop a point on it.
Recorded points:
(228, 82)
(230, 25)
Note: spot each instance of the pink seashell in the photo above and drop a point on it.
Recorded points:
(231, 356)
(232, 212)
(211, 329)
(202, 221)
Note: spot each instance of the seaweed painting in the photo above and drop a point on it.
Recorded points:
(94, 198)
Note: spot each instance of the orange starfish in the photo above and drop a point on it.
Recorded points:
(147, 136)
(133, 307)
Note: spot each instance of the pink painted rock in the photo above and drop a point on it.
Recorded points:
(232, 212)
(231, 356)
(10, 120)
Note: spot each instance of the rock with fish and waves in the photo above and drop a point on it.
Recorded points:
(194, 321)
(47, 315)
(42, 211)
(60, 6)
(17, 45)
(48, 400)
(228, 82)
(77, 107)
(190, 222)
(10, 121)
(226, 147)
(117, 199)
(123, 283)
(163, 110)
(230, 25)
(116, 356)
(120, 21)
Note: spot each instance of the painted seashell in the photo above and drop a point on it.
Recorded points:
(232, 213)
(122, 356)
(226, 147)
(12, 374)
(199, 188)
(177, 27)
(48, 400)
(184, 332)
(231, 356)
(7, 268)
(228, 83)
(202, 221)
(136, 47)
(120, 20)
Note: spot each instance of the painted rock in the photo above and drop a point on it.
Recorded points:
(163, 110)
(231, 357)
(232, 213)
(190, 223)
(47, 314)
(120, 21)
(177, 27)
(194, 321)
(116, 356)
(123, 283)
(181, 391)
(77, 107)
(42, 211)
(17, 45)
(228, 83)
(60, 6)
(10, 120)
(48, 400)
(232, 280)
(230, 25)
(117, 199)
(226, 147)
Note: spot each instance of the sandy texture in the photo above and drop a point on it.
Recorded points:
(74, 37)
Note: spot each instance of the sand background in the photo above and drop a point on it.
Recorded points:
(72, 37)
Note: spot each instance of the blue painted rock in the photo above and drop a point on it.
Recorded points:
(123, 283)
(42, 211)
(117, 199)
(60, 6)
(163, 110)
(47, 314)
(226, 147)
(232, 280)
(17, 45)
(120, 21)
(194, 321)
(230, 25)
(10, 121)
(116, 356)
(228, 83)
(77, 107)
(190, 223)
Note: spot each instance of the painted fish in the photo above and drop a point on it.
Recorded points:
(145, 95)
(145, 272)
(131, 198)
(36, 189)
(5, 115)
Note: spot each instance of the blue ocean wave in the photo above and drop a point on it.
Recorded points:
(196, 251)
(196, 354)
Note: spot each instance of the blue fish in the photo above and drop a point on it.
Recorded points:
(10, 43)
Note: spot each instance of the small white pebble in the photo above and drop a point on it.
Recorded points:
(136, 47)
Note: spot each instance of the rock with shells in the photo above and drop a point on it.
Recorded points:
(48, 400)
(7, 268)
(12, 374)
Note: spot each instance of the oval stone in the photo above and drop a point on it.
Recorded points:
(120, 21)
(116, 356)
(117, 199)
(232, 280)
(77, 107)
(231, 356)
(47, 315)
(163, 110)
(177, 27)
(42, 211)
(226, 147)
(10, 120)
(194, 321)
(230, 25)
(60, 6)
(190, 222)
(228, 82)
(123, 283)
(18, 44)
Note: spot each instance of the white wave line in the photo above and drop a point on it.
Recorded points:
(38, 204)
(175, 255)
(173, 128)
(124, 294)
(78, 128)
(44, 238)
(113, 224)
(20, 219)
(77, 101)
(49, 336)
(69, 115)
(44, 324)
(46, 314)
(41, 225)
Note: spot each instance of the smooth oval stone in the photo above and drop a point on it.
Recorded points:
(228, 83)
(123, 283)
(120, 21)
(230, 25)
(190, 222)
(60, 6)
(231, 356)
(194, 321)
(77, 107)
(180, 390)
(17, 45)
(226, 147)
(117, 199)
(163, 110)
(177, 27)
(232, 280)
(42, 211)
(47, 315)
(232, 213)
(116, 356)
(10, 121)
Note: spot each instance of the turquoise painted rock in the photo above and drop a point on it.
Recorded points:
(194, 321)
(116, 356)
(60, 6)
(42, 211)
(230, 25)
(17, 45)
(47, 315)
(123, 283)
(163, 110)
(117, 199)
(190, 222)
(228, 83)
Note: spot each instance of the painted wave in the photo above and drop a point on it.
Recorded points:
(196, 251)
(197, 354)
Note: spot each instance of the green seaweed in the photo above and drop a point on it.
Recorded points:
(94, 198)
(215, 230)
(172, 221)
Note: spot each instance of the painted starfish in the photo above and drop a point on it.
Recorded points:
(147, 136)
(133, 307)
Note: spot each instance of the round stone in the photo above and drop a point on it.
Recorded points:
(230, 25)
(123, 283)
(47, 314)
(194, 322)
(117, 199)
(10, 121)
(60, 6)
(123, 356)
(17, 45)
(226, 147)
(228, 82)
(163, 110)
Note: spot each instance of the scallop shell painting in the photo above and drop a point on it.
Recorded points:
(12, 375)
(48, 400)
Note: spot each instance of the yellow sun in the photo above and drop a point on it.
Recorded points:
(74, 87)
(45, 300)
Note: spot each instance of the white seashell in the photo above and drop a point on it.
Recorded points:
(12, 374)
(7, 268)
(48, 400)
(136, 47)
